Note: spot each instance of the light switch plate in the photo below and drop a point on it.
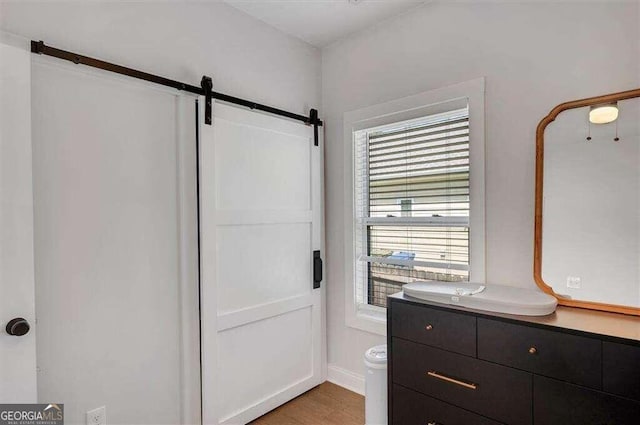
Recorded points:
(574, 282)
(97, 416)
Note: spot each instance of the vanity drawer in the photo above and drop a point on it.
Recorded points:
(412, 408)
(558, 355)
(491, 390)
(558, 402)
(442, 329)
(621, 369)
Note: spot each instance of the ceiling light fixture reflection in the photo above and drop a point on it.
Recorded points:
(603, 114)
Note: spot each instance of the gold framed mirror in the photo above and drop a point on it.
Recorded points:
(587, 203)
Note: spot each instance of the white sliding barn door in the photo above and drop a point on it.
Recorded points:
(17, 353)
(261, 221)
(116, 246)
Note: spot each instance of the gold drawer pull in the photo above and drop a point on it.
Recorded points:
(429, 327)
(533, 350)
(435, 374)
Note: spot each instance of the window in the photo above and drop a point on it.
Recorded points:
(426, 236)
(414, 215)
(405, 207)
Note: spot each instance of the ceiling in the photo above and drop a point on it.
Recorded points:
(321, 22)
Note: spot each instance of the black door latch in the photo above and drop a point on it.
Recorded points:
(317, 269)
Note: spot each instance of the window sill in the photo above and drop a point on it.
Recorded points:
(368, 318)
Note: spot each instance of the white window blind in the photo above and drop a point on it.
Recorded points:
(411, 204)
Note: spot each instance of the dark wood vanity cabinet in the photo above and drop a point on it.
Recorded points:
(451, 366)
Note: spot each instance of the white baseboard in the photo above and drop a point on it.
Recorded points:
(345, 378)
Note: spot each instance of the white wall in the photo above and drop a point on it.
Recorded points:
(109, 269)
(533, 56)
(180, 40)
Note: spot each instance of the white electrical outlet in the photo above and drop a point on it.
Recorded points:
(97, 416)
(574, 282)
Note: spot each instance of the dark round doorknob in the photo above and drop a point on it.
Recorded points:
(18, 327)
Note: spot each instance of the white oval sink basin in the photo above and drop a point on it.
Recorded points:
(494, 298)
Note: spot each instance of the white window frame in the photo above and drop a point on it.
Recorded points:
(373, 318)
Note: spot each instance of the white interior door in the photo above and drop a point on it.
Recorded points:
(17, 353)
(261, 221)
(115, 246)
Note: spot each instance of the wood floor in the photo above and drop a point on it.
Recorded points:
(325, 404)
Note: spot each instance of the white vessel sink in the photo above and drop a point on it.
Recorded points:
(494, 298)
